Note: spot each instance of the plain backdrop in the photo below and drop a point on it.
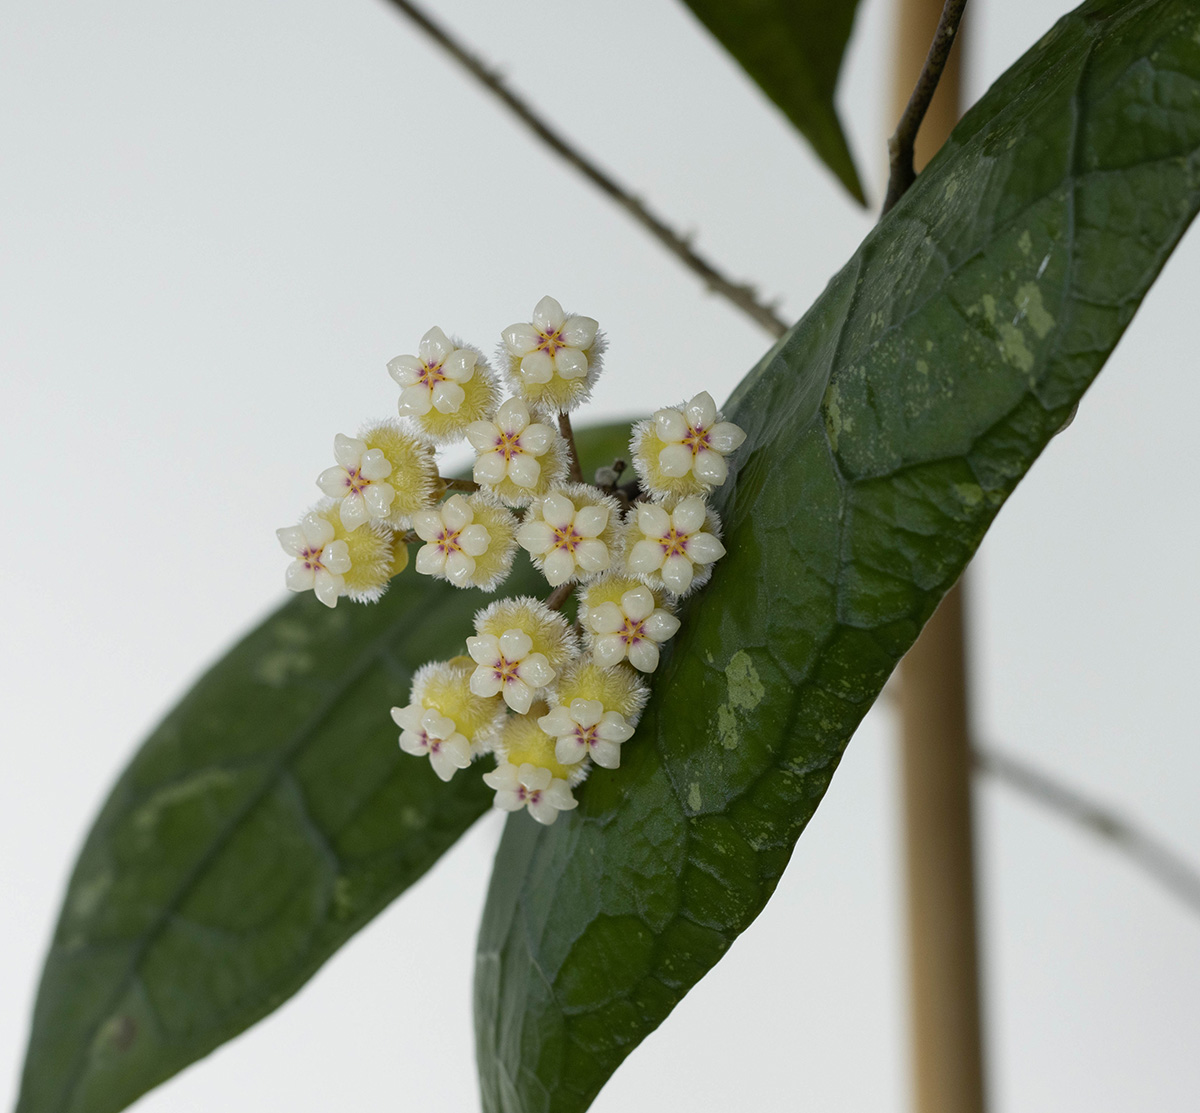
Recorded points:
(219, 221)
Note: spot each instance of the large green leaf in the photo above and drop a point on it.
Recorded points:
(266, 820)
(793, 50)
(885, 431)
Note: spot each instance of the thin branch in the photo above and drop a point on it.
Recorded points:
(1142, 848)
(468, 485)
(568, 435)
(904, 138)
(739, 294)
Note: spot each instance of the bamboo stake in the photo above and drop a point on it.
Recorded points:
(945, 1013)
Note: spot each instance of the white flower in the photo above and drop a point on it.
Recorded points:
(508, 665)
(358, 481)
(320, 564)
(433, 379)
(675, 547)
(633, 628)
(565, 540)
(695, 441)
(554, 359)
(553, 344)
(532, 787)
(453, 541)
(510, 447)
(426, 731)
(586, 729)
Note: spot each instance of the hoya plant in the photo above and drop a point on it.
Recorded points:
(649, 643)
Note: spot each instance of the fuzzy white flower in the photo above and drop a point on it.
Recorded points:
(633, 627)
(469, 542)
(569, 538)
(678, 544)
(427, 731)
(553, 359)
(358, 480)
(529, 786)
(321, 562)
(508, 665)
(517, 458)
(433, 379)
(585, 729)
(682, 450)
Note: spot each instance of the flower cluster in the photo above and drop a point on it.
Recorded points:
(549, 699)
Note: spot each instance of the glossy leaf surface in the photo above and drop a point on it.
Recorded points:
(266, 820)
(885, 431)
(792, 49)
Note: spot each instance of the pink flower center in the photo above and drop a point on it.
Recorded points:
(528, 796)
(506, 670)
(673, 543)
(447, 541)
(696, 439)
(551, 342)
(356, 481)
(430, 374)
(633, 632)
(567, 538)
(312, 559)
(509, 445)
(585, 736)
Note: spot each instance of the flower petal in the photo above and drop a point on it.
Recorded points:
(374, 465)
(689, 515)
(557, 722)
(298, 578)
(484, 649)
(652, 519)
(431, 561)
(460, 568)
(670, 425)
(558, 510)
(317, 530)
(379, 498)
(710, 467)
(558, 567)
(579, 331)
(592, 555)
(515, 644)
(608, 618)
(415, 401)
(536, 537)
(608, 650)
(474, 540)
(512, 416)
(548, 315)
(701, 411)
(447, 397)
(643, 655)
(646, 557)
(292, 539)
(428, 524)
(726, 437)
(675, 460)
(570, 363)
(354, 512)
(586, 712)
(336, 557)
(435, 346)
(704, 548)
(457, 513)
(661, 625)
(524, 471)
(483, 435)
(459, 365)
(536, 438)
(521, 338)
(491, 467)
(535, 670)
(537, 368)
(638, 603)
(677, 574)
(591, 520)
(328, 587)
(519, 696)
(485, 682)
(606, 754)
(405, 370)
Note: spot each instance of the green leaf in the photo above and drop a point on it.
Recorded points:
(793, 50)
(266, 820)
(885, 431)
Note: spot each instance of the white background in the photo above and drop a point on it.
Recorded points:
(219, 221)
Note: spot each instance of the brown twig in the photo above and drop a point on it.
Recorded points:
(468, 485)
(568, 435)
(1142, 848)
(559, 596)
(903, 140)
(741, 295)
